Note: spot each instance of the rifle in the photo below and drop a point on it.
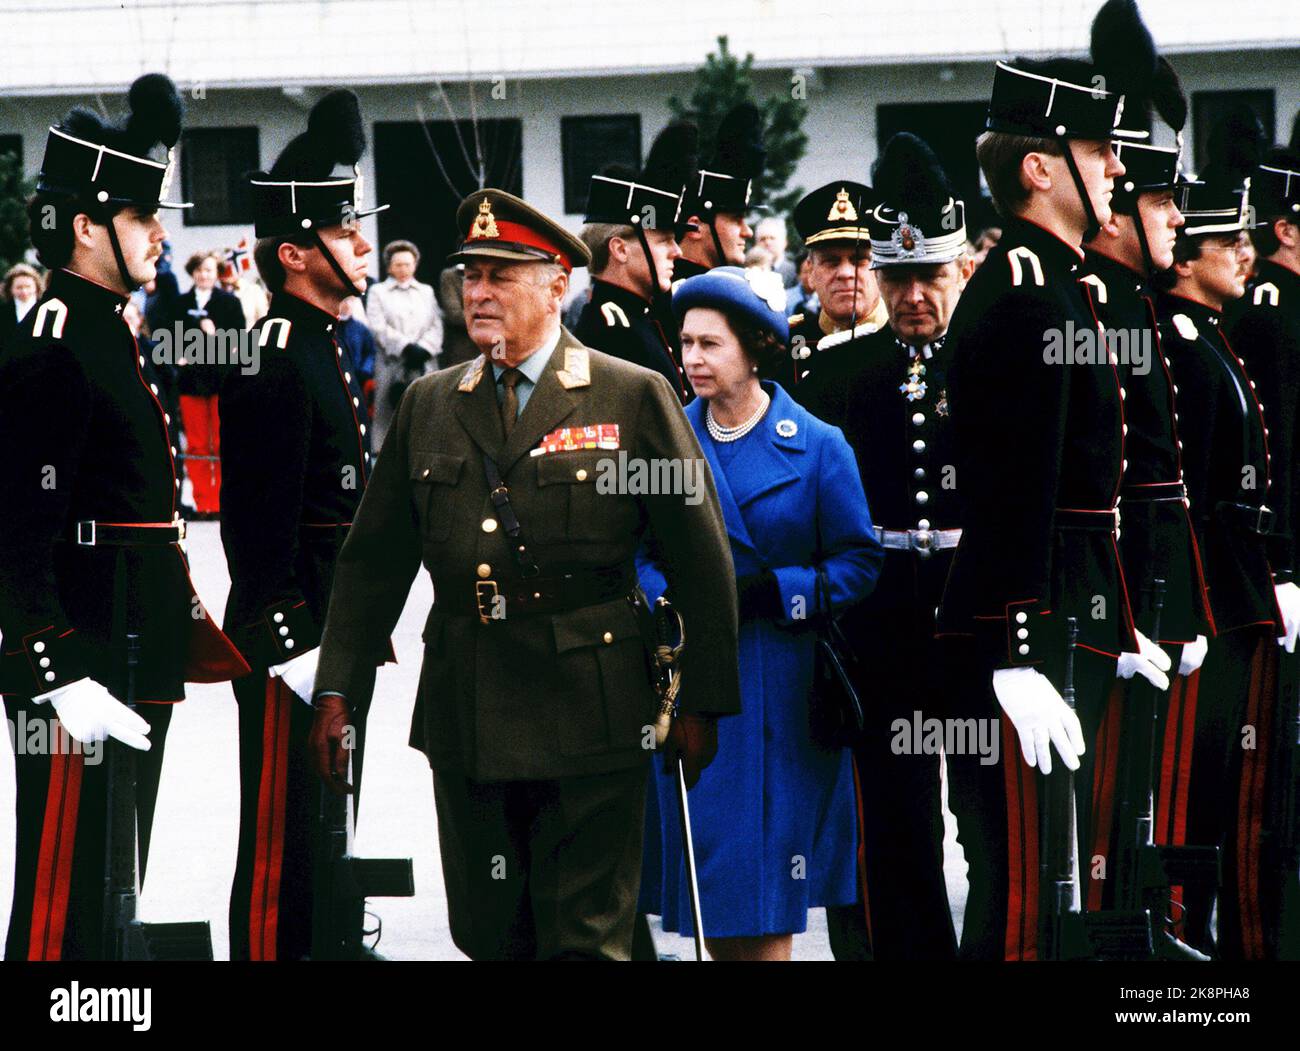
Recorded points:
(1136, 929)
(1062, 935)
(124, 936)
(1281, 841)
(341, 883)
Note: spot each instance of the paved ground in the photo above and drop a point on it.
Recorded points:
(195, 833)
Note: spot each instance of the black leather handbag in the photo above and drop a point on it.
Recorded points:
(834, 709)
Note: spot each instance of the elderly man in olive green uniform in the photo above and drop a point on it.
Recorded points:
(525, 481)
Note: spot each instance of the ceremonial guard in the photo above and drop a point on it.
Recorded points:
(1264, 326)
(294, 465)
(832, 221)
(716, 200)
(1040, 439)
(511, 478)
(631, 232)
(1230, 473)
(90, 548)
(888, 393)
(1157, 541)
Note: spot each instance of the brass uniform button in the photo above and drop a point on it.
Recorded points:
(582, 474)
(484, 570)
(608, 637)
(489, 525)
(425, 473)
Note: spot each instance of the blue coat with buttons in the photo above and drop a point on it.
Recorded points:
(773, 815)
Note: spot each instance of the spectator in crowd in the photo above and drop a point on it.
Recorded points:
(984, 240)
(407, 326)
(209, 309)
(163, 293)
(770, 234)
(758, 258)
(801, 297)
(358, 345)
(456, 344)
(794, 509)
(246, 288)
(22, 288)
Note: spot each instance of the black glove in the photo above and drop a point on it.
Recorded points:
(694, 740)
(415, 357)
(760, 596)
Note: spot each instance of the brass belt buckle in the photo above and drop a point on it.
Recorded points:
(86, 533)
(485, 591)
(1265, 515)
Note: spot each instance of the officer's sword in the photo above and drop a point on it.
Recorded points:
(668, 681)
(688, 845)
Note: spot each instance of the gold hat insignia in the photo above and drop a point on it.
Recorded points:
(485, 223)
(843, 209)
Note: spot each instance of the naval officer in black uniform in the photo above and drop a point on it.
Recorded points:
(832, 220)
(294, 464)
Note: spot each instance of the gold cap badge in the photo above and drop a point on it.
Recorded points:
(485, 223)
(843, 209)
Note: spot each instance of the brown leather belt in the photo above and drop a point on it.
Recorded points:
(493, 600)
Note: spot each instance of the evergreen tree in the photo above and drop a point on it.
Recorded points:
(725, 81)
(14, 192)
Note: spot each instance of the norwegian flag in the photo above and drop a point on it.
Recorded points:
(239, 256)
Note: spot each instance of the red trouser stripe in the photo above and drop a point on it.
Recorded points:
(1103, 784)
(1022, 850)
(268, 858)
(54, 863)
(1250, 808)
(862, 845)
(1176, 772)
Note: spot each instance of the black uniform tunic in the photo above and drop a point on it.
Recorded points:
(1157, 540)
(1039, 431)
(83, 439)
(294, 464)
(1230, 473)
(621, 324)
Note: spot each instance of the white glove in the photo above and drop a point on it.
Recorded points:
(90, 713)
(1193, 655)
(1150, 661)
(1039, 716)
(1288, 601)
(298, 673)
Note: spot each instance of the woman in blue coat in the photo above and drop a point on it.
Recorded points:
(773, 816)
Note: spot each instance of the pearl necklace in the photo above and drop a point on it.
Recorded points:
(720, 433)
